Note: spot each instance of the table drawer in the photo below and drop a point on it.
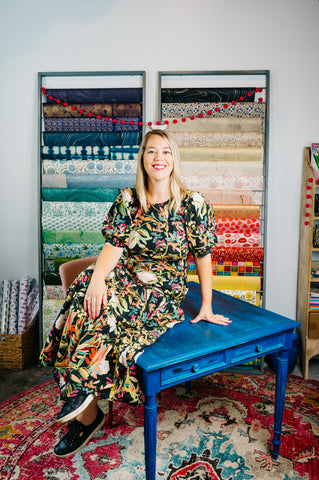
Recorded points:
(192, 369)
(258, 348)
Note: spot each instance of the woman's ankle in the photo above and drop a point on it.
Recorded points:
(89, 414)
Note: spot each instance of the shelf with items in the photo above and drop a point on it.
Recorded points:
(90, 129)
(307, 263)
(220, 122)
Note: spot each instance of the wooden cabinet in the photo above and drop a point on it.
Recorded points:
(308, 282)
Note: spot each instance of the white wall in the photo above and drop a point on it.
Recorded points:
(73, 35)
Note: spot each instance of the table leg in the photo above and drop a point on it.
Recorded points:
(281, 380)
(150, 427)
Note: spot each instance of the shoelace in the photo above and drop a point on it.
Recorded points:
(75, 431)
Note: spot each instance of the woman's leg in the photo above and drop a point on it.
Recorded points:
(80, 430)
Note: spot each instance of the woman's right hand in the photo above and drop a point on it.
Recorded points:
(96, 293)
(95, 296)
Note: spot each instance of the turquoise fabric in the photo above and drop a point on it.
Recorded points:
(80, 194)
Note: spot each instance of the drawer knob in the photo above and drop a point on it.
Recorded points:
(259, 348)
(195, 367)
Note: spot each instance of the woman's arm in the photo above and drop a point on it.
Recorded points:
(96, 293)
(204, 270)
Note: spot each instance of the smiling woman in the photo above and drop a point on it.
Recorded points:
(158, 165)
(158, 173)
(132, 295)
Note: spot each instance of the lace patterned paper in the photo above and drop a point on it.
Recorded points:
(241, 109)
(227, 182)
(90, 166)
(218, 139)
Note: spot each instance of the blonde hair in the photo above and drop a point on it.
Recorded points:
(177, 190)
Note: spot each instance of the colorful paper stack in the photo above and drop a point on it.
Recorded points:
(220, 133)
(314, 298)
(19, 305)
(89, 152)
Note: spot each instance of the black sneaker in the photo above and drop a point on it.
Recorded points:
(78, 435)
(73, 406)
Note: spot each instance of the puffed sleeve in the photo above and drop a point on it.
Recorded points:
(200, 225)
(116, 227)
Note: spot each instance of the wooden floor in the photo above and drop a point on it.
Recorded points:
(12, 383)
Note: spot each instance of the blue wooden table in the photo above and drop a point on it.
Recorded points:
(189, 351)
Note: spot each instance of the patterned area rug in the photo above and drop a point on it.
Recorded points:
(220, 430)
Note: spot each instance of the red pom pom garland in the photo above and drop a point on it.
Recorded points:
(166, 122)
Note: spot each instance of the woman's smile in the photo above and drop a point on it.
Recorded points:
(159, 167)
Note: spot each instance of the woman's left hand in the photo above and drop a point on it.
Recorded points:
(208, 316)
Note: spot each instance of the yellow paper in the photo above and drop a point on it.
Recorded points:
(217, 154)
(219, 169)
(216, 125)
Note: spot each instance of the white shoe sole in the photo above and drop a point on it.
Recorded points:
(84, 443)
(75, 413)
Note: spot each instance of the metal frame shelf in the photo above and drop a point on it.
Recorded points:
(77, 79)
(224, 79)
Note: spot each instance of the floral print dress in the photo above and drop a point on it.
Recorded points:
(144, 293)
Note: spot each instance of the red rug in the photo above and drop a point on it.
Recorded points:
(221, 430)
